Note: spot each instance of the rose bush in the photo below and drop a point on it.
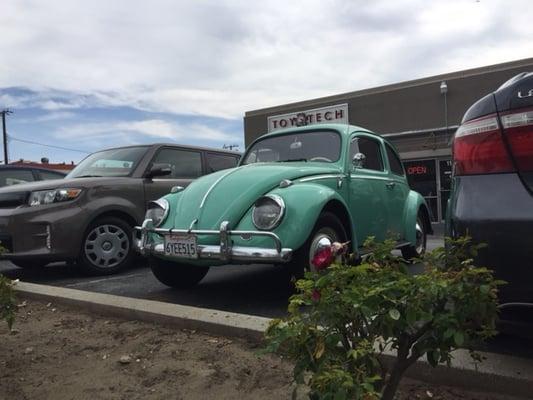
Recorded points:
(343, 318)
(7, 298)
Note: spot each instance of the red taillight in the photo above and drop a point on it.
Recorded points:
(478, 148)
(518, 128)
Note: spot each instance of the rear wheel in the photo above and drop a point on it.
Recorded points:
(106, 247)
(419, 248)
(328, 229)
(178, 276)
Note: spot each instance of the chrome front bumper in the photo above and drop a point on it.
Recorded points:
(224, 252)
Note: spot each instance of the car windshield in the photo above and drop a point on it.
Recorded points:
(322, 146)
(113, 162)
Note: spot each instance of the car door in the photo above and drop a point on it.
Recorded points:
(396, 193)
(367, 188)
(185, 164)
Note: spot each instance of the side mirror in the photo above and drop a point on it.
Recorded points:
(159, 170)
(358, 160)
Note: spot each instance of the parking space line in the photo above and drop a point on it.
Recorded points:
(102, 280)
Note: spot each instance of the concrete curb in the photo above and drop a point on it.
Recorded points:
(498, 373)
(212, 321)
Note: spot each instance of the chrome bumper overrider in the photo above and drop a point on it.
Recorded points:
(224, 252)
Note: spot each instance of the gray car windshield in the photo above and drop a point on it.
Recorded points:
(321, 146)
(112, 163)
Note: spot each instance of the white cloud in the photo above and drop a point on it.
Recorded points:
(152, 128)
(222, 58)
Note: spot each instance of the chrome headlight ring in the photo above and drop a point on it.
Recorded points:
(272, 220)
(157, 211)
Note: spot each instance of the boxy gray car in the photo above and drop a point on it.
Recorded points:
(87, 218)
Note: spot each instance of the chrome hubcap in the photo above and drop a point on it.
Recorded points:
(420, 238)
(106, 246)
(323, 238)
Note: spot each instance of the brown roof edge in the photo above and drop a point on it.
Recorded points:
(395, 86)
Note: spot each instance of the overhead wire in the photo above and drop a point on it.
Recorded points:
(46, 145)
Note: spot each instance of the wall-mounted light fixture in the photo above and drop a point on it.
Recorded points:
(444, 90)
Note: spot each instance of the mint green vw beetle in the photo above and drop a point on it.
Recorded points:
(294, 192)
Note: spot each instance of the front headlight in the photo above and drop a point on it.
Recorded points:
(268, 212)
(52, 196)
(157, 211)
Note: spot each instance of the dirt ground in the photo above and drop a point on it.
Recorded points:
(59, 353)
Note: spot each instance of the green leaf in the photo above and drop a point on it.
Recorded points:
(394, 314)
(340, 395)
(449, 333)
(459, 338)
(411, 316)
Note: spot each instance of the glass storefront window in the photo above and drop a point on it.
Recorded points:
(422, 177)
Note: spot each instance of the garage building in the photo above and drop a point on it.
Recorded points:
(418, 116)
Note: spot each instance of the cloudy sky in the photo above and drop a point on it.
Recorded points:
(85, 75)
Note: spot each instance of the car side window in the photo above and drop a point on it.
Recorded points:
(10, 177)
(394, 162)
(45, 175)
(372, 151)
(216, 162)
(183, 163)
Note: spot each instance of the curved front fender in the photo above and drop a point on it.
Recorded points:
(304, 203)
(413, 204)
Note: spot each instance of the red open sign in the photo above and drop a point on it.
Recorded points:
(417, 170)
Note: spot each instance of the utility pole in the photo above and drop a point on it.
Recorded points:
(4, 113)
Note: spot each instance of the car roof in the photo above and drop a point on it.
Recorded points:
(344, 129)
(184, 146)
(15, 166)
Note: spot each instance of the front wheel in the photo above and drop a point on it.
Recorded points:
(419, 248)
(106, 247)
(328, 229)
(178, 276)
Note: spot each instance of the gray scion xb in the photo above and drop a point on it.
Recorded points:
(87, 218)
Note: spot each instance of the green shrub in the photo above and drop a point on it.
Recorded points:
(8, 306)
(343, 318)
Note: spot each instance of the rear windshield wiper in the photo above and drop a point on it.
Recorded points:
(294, 160)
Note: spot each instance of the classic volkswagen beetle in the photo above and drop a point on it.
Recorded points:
(293, 192)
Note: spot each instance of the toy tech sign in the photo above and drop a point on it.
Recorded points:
(337, 114)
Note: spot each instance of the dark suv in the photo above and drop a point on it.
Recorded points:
(88, 216)
(492, 194)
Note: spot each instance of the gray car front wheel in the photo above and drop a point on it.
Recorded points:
(106, 246)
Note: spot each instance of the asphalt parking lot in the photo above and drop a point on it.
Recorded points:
(261, 290)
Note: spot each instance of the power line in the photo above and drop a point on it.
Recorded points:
(47, 145)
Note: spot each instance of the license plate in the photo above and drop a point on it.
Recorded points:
(181, 245)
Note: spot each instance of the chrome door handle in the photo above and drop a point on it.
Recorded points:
(390, 185)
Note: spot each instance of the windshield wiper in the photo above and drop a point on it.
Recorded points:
(294, 160)
(88, 176)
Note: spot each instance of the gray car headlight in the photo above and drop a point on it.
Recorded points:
(268, 212)
(52, 196)
(157, 211)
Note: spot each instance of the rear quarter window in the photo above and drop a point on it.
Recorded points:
(394, 162)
